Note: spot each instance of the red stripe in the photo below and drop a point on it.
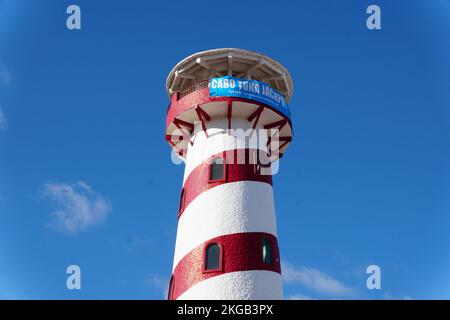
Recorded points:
(200, 97)
(241, 252)
(198, 180)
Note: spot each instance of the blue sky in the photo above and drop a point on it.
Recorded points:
(86, 176)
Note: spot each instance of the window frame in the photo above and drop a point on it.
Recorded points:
(205, 249)
(224, 168)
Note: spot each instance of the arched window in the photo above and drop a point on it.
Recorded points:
(216, 169)
(170, 292)
(266, 251)
(213, 257)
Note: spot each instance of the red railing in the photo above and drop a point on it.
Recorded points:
(194, 87)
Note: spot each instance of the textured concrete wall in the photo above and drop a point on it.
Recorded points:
(242, 285)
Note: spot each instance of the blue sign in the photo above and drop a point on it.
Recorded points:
(248, 89)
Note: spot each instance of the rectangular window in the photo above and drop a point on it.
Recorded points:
(216, 169)
(266, 251)
(170, 293)
(255, 161)
(181, 206)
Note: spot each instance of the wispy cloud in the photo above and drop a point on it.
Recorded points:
(315, 280)
(299, 297)
(388, 296)
(159, 282)
(137, 243)
(5, 76)
(3, 122)
(78, 206)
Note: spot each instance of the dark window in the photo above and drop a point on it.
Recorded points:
(181, 207)
(212, 257)
(263, 162)
(170, 293)
(255, 159)
(216, 169)
(266, 251)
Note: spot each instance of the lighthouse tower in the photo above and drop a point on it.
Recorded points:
(229, 121)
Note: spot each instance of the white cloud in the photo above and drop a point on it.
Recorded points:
(78, 206)
(3, 123)
(315, 280)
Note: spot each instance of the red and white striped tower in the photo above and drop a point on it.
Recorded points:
(226, 246)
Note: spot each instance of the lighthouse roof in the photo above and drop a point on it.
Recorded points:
(232, 62)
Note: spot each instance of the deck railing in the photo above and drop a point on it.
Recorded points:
(194, 87)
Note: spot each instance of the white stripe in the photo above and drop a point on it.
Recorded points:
(218, 140)
(241, 285)
(236, 207)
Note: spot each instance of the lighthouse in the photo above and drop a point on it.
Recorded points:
(229, 121)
